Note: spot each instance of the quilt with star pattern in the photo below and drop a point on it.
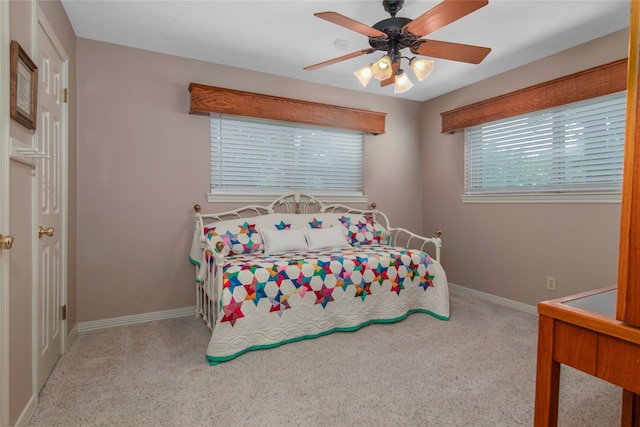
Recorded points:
(270, 300)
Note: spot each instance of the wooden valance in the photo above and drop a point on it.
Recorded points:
(591, 83)
(211, 99)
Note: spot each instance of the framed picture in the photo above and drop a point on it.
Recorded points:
(24, 87)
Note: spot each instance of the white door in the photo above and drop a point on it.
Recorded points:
(4, 210)
(51, 192)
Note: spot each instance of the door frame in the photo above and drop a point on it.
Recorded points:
(4, 212)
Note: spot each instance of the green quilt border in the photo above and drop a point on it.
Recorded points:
(215, 360)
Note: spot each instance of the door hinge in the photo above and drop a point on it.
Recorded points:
(64, 95)
(63, 312)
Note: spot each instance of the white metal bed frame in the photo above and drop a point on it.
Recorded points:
(298, 203)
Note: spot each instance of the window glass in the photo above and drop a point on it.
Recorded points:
(253, 156)
(573, 148)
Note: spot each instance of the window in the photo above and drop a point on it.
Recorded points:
(575, 148)
(262, 157)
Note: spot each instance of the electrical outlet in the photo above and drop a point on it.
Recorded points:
(551, 283)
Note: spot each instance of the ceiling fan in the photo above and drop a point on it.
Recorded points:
(394, 34)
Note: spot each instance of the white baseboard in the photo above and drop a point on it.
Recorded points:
(136, 318)
(498, 300)
(71, 337)
(27, 413)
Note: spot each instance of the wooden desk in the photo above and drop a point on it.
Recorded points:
(581, 331)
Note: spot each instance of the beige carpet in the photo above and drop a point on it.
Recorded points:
(477, 369)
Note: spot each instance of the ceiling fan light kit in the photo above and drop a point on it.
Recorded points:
(364, 74)
(394, 34)
(382, 69)
(421, 67)
(403, 84)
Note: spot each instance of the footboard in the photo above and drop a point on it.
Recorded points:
(209, 282)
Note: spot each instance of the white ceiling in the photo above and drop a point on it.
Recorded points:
(283, 37)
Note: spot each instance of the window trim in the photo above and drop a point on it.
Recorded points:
(572, 197)
(267, 197)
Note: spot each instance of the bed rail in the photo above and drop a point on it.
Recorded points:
(405, 238)
(243, 212)
(379, 216)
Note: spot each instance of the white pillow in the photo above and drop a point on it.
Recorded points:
(276, 241)
(325, 238)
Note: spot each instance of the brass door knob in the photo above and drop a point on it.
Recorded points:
(45, 231)
(6, 242)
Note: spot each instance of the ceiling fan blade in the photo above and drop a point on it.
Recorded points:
(391, 80)
(441, 15)
(452, 51)
(350, 24)
(340, 58)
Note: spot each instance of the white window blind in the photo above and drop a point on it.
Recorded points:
(573, 148)
(253, 156)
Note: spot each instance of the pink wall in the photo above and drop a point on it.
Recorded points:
(508, 250)
(143, 164)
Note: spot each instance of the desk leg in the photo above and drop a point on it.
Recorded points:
(547, 377)
(630, 409)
